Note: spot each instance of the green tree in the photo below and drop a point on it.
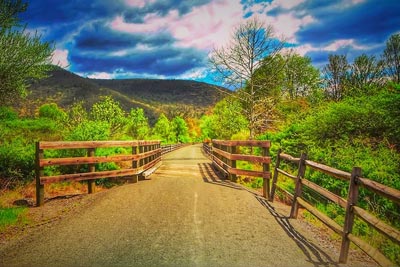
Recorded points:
(108, 110)
(301, 78)
(77, 114)
(23, 56)
(226, 120)
(162, 129)
(180, 130)
(391, 57)
(139, 125)
(252, 45)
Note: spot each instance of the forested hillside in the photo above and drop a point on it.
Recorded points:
(171, 97)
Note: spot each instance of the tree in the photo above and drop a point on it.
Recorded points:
(237, 63)
(335, 74)
(139, 125)
(366, 73)
(108, 110)
(391, 57)
(228, 120)
(23, 57)
(301, 78)
(162, 129)
(180, 130)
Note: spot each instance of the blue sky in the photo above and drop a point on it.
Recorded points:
(170, 39)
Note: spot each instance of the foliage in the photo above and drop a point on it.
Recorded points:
(225, 121)
(17, 162)
(180, 130)
(162, 129)
(90, 131)
(7, 113)
(109, 111)
(53, 112)
(23, 56)
(139, 128)
(301, 79)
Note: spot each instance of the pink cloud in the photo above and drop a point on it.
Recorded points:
(204, 27)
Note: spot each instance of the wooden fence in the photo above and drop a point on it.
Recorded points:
(144, 157)
(355, 180)
(224, 155)
(171, 147)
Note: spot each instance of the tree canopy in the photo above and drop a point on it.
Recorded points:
(23, 56)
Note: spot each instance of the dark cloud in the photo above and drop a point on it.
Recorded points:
(370, 22)
(161, 8)
(167, 61)
(98, 36)
(50, 12)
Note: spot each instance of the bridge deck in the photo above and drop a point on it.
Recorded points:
(185, 215)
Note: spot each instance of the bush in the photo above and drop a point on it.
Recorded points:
(17, 162)
(8, 114)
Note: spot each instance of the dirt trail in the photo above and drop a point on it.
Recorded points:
(183, 216)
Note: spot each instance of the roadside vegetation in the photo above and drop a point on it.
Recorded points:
(346, 114)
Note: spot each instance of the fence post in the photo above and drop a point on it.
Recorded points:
(275, 178)
(266, 181)
(39, 173)
(352, 200)
(135, 177)
(232, 163)
(298, 189)
(91, 184)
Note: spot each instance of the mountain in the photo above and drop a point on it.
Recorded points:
(171, 97)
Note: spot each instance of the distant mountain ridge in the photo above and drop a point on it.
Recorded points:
(171, 97)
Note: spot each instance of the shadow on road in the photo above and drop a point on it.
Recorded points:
(314, 254)
(210, 176)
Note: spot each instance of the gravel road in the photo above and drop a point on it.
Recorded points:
(183, 215)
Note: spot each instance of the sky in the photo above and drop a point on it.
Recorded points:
(171, 39)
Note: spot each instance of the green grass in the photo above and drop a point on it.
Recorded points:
(12, 216)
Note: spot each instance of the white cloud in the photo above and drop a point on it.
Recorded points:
(344, 43)
(286, 4)
(60, 58)
(288, 24)
(100, 75)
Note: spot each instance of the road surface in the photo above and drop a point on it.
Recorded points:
(184, 215)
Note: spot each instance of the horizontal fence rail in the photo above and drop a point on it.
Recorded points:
(355, 180)
(145, 156)
(224, 155)
(171, 147)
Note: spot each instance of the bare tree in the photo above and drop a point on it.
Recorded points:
(252, 45)
(365, 74)
(335, 73)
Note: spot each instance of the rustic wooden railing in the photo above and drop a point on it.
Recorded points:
(226, 153)
(145, 155)
(350, 204)
(171, 147)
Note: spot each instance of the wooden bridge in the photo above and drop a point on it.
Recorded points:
(186, 214)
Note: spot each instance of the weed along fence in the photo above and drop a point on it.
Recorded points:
(226, 153)
(142, 159)
(350, 206)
